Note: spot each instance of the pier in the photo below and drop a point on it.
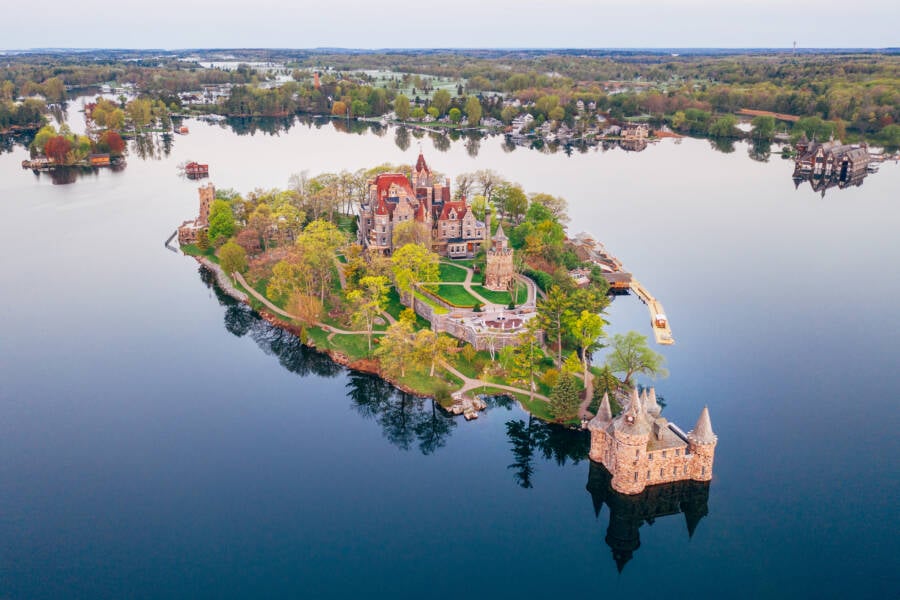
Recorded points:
(658, 319)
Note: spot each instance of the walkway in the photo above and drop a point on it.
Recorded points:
(284, 313)
(470, 384)
(663, 334)
(530, 298)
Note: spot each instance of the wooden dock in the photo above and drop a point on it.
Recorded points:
(661, 330)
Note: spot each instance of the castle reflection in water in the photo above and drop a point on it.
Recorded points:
(627, 513)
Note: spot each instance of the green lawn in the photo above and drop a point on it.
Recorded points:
(438, 309)
(472, 368)
(501, 297)
(456, 295)
(193, 250)
(466, 262)
(395, 307)
(537, 407)
(354, 346)
(451, 273)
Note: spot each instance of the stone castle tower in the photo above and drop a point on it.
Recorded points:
(187, 233)
(207, 195)
(498, 272)
(641, 448)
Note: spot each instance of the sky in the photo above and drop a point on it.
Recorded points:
(175, 24)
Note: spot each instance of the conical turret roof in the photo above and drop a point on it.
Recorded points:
(650, 404)
(702, 431)
(421, 165)
(499, 236)
(634, 420)
(605, 410)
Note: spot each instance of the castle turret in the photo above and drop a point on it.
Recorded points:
(207, 195)
(702, 442)
(631, 432)
(597, 426)
(498, 271)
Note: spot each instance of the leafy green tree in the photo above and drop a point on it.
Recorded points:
(564, 398)
(724, 127)
(555, 314)
(631, 355)
(396, 348)
(203, 240)
(221, 221)
(316, 247)
(587, 329)
(413, 264)
(455, 115)
(526, 356)
(441, 101)
(431, 346)
(401, 107)
(763, 127)
(572, 364)
(368, 300)
(511, 199)
(473, 111)
(232, 257)
(605, 382)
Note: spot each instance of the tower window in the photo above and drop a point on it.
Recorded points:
(635, 476)
(648, 473)
(664, 453)
(660, 472)
(637, 453)
(703, 471)
(650, 456)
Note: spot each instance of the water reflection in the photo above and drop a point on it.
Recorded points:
(241, 321)
(628, 513)
(405, 419)
(534, 438)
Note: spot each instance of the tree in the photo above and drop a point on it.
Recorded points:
(410, 232)
(316, 247)
(431, 346)
(441, 101)
(631, 355)
(368, 300)
(339, 109)
(587, 328)
(307, 309)
(413, 264)
(203, 240)
(763, 127)
(572, 364)
(140, 111)
(401, 107)
(556, 206)
(396, 348)
(473, 111)
(112, 142)
(221, 221)
(526, 356)
(555, 314)
(479, 207)
(57, 148)
(564, 398)
(724, 127)
(232, 257)
(511, 199)
(455, 115)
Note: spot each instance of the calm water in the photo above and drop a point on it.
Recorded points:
(158, 440)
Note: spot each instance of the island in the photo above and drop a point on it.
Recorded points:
(453, 293)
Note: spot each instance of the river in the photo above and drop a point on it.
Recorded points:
(159, 440)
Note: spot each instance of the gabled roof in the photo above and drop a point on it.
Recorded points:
(384, 182)
(460, 206)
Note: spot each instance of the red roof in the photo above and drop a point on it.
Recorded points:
(384, 182)
(460, 207)
(421, 165)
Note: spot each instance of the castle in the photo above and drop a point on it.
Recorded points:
(498, 270)
(393, 198)
(187, 233)
(640, 448)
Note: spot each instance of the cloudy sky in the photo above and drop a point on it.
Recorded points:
(453, 23)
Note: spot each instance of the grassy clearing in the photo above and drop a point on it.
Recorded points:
(472, 368)
(456, 295)
(354, 346)
(501, 297)
(395, 307)
(193, 250)
(451, 273)
(537, 407)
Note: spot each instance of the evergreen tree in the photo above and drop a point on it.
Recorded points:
(564, 399)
